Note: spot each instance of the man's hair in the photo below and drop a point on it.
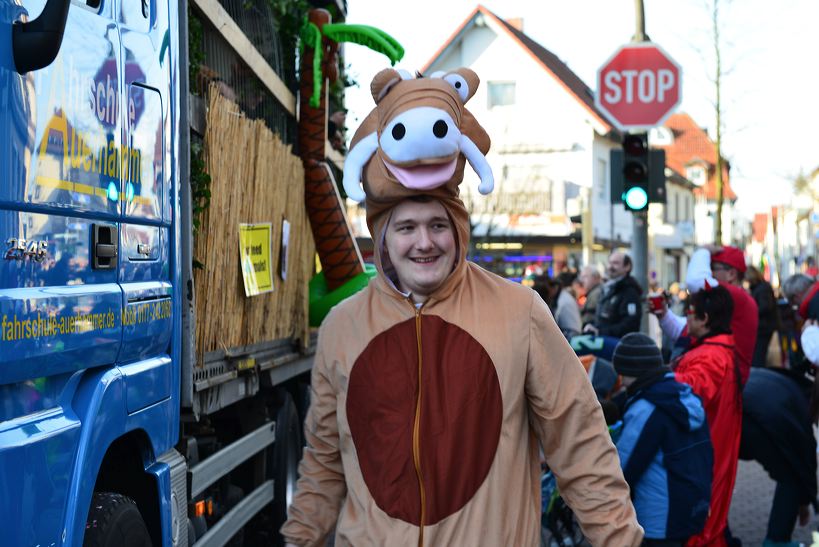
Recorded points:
(753, 275)
(420, 198)
(626, 260)
(719, 306)
(795, 285)
(566, 279)
(541, 285)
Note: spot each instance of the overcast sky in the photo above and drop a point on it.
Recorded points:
(770, 57)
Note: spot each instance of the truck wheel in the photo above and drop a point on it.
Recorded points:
(114, 521)
(286, 456)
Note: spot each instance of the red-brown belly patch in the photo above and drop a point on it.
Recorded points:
(460, 419)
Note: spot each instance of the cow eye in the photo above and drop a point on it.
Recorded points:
(459, 83)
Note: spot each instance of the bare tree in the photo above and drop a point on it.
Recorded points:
(718, 113)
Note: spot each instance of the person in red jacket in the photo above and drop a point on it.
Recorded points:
(711, 369)
(723, 266)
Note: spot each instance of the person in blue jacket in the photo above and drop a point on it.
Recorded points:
(665, 446)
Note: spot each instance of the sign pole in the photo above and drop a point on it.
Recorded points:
(637, 88)
(639, 240)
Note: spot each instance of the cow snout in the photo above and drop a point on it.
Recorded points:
(420, 133)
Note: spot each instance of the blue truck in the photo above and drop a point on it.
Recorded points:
(115, 428)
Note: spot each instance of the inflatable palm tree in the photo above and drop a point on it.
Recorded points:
(340, 258)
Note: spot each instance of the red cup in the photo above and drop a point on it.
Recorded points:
(656, 302)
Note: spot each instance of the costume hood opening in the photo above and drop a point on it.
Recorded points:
(379, 213)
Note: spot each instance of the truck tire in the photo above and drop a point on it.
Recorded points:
(114, 521)
(286, 456)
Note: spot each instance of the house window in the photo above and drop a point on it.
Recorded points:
(696, 174)
(602, 178)
(501, 93)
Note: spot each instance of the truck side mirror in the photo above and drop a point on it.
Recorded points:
(35, 44)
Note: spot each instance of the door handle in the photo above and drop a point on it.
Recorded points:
(106, 251)
(104, 246)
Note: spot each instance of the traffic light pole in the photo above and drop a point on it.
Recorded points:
(639, 242)
(639, 246)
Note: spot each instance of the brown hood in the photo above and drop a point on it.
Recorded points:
(378, 215)
(394, 96)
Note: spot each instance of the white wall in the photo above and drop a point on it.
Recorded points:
(545, 139)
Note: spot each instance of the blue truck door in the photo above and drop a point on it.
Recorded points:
(61, 167)
(145, 268)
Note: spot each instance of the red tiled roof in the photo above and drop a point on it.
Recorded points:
(548, 60)
(692, 144)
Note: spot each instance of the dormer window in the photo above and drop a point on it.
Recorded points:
(696, 174)
(660, 136)
(500, 93)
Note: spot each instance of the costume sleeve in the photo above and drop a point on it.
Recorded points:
(699, 271)
(672, 325)
(568, 420)
(630, 312)
(321, 486)
(705, 375)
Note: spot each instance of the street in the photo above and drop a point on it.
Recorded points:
(752, 503)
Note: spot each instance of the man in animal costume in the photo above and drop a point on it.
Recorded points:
(435, 387)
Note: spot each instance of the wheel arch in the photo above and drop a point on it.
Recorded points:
(123, 470)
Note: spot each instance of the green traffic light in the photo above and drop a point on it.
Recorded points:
(636, 198)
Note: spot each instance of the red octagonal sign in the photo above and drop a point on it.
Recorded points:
(639, 86)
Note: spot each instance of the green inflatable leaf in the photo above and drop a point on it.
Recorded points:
(365, 35)
(311, 37)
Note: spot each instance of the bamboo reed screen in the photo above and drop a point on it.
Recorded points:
(254, 179)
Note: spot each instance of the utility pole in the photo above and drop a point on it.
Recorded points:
(639, 238)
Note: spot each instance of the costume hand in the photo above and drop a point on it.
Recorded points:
(804, 515)
(591, 329)
(809, 323)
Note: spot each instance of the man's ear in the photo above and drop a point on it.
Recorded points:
(382, 83)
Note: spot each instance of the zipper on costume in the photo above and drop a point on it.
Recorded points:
(416, 432)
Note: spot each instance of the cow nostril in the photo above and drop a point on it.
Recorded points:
(398, 131)
(439, 129)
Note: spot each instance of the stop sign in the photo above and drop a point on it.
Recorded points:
(639, 86)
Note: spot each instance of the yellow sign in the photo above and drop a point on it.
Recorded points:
(254, 254)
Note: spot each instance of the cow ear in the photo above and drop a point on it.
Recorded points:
(382, 83)
(465, 82)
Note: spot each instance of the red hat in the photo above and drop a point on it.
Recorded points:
(730, 256)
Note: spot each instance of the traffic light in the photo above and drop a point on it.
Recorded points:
(627, 173)
(635, 171)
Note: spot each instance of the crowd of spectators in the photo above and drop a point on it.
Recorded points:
(728, 375)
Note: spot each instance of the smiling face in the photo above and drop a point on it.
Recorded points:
(420, 244)
(618, 266)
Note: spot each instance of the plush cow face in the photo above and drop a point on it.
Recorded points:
(418, 136)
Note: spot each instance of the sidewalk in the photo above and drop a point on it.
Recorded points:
(752, 503)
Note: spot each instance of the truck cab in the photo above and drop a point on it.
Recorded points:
(89, 282)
